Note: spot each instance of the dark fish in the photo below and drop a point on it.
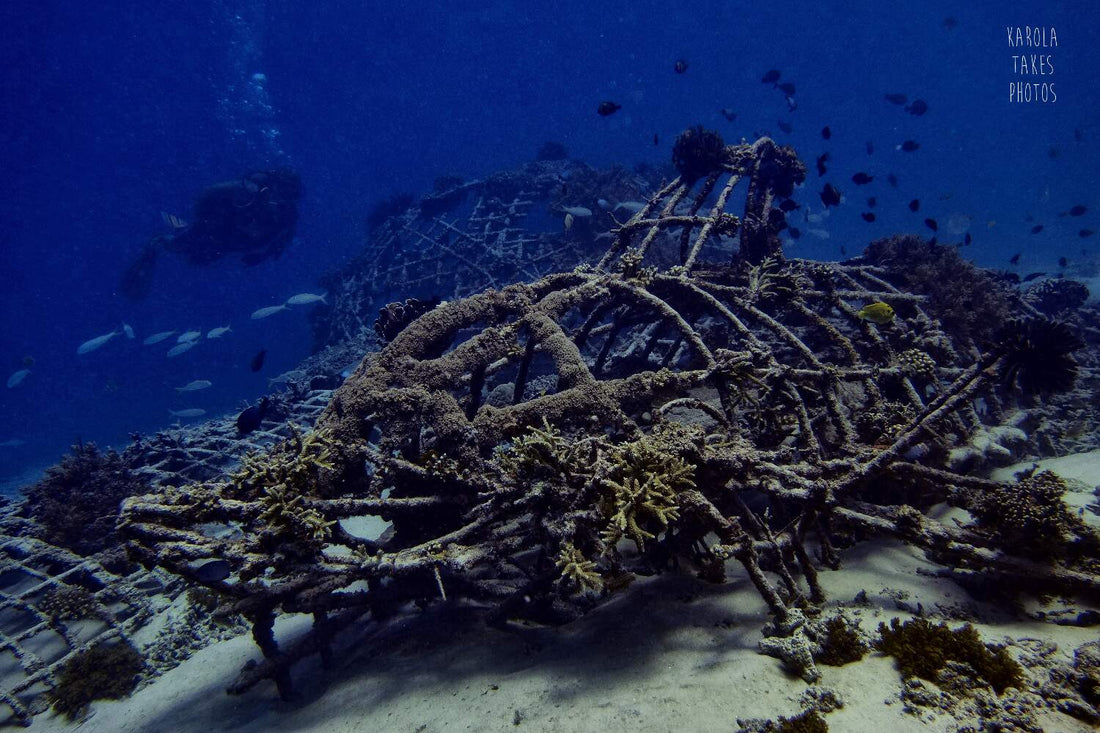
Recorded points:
(897, 98)
(1085, 233)
(1062, 262)
(931, 224)
(950, 23)
(787, 88)
(257, 362)
(918, 107)
(656, 140)
(893, 180)
(788, 205)
(870, 148)
(910, 145)
(784, 126)
(830, 196)
(821, 160)
(826, 133)
(1053, 152)
(967, 239)
(1078, 210)
(914, 205)
(681, 66)
(252, 417)
(1031, 276)
(1015, 259)
(843, 250)
(729, 114)
(608, 108)
(795, 233)
(1037, 228)
(868, 216)
(862, 179)
(771, 77)
(872, 202)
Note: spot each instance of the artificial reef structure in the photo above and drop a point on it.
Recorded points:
(689, 399)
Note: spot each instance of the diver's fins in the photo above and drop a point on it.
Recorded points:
(137, 281)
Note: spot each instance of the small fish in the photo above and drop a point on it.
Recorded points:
(608, 108)
(931, 224)
(181, 348)
(156, 338)
(787, 205)
(843, 250)
(1054, 152)
(1085, 233)
(896, 98)
(656, 140)
(1078, 135)
(1015, 259)
(967, 239)
(172, 220)
(252, 417)
(268, 311)
(826, 133)
(771, 77)
(820, 233)
(631, 206)
(97, 342)
(17, 378)
(1032, 276)
(217, 333)
(918, 107)
(830, 196)
(189, 412)
(914, 205)
(794, 232)
(729, 114)
(950, 23)
(821, 161)
(872, 202)
(306, 299)
(188, 336)
(126, 329)
(579, 211)
(1078, 210)
(910, 145)
(877, 312)
(868, 216)
(28, 361)
(785, 127)
(680, 66)
(1037, 228)
(568, 222)
(1062, 262)
(862, 179)
(195, 386)
(257, 362)
(787, 88)
(893, 180)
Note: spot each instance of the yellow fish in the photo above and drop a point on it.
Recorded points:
(877, 312)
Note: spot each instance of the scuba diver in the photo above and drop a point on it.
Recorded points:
(254, 216)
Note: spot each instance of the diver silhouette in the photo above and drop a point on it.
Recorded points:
(254, 216)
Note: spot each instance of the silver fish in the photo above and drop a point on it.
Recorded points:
(217, 333)
(306, 299)
(577, 210)
(189, 412)
(16, 379)
(156, 338)
(188, 336)
(180, 348)
(98, 341)
(268, 311)
(195, 385)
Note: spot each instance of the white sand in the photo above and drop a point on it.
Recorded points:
(670, 653)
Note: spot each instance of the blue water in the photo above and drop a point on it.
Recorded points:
(115, 112)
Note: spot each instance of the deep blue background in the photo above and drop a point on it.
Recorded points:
(114, 112)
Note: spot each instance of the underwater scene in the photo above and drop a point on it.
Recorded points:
(618, 366)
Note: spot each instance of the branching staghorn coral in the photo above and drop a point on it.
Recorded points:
(513, 439)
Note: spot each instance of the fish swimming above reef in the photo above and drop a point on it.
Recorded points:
(268, 311)
(607, 108)
(729, 114)
(217, 333)
(877, 312)
(898, 99)
(914, 205)
(128, 330)
(771, 77)
(868, 216)
(1014, 259)
(252, 417)
(257, 362)
(918, 107)
(830, 195)
(1084, 233)
(577, 211)
(821, 161)
(189, 412)
(1037, 228)
(1078, 210)
(909, 146)
(156, 338)
(17, 378)
(181, 348)
(931, 224)
(188, 336)
(862, 179)
(826, 133)
(306, 299)
(96, 343)
(787, 88)
(195, 386)
(680, 66)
